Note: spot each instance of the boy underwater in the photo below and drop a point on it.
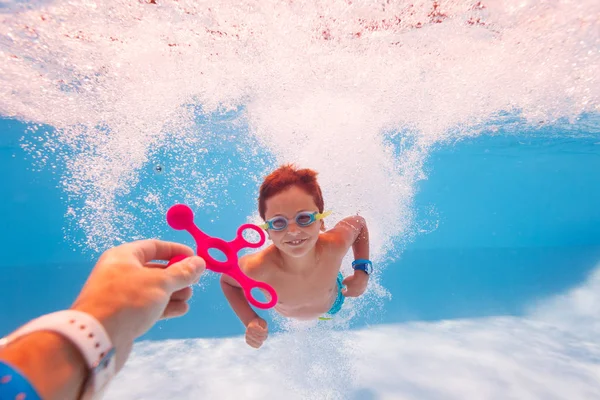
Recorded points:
(303, 263)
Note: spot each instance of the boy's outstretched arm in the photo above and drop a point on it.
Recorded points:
(353, 231)
(237, 300)
(256, 327)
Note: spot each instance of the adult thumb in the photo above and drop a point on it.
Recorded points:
(185, 273)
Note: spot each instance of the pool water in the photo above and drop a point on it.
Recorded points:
(467, 133)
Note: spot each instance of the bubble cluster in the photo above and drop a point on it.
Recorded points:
(358, 90)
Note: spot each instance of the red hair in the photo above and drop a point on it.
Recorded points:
(285, 177)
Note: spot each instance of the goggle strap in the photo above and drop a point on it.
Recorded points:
(323, 215)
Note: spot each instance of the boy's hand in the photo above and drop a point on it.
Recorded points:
(256, 332)
(355, 284)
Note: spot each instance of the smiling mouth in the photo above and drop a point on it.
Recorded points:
(296, 242)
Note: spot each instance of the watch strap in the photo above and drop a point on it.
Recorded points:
(87, 334)
(362, 264)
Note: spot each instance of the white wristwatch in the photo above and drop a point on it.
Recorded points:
(88, 335)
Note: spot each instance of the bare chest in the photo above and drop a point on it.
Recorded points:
(310, 292)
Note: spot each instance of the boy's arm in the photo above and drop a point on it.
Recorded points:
(236, 298)
(353, 231)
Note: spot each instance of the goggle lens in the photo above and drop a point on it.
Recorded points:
(302, 219)
(305, 219)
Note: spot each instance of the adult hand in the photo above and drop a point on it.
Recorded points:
(128, 293)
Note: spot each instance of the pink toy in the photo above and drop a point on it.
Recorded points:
(181, 217)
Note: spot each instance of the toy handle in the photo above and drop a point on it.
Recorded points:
(175, 260)
(248, 284)
(240, 242)
(261, 285)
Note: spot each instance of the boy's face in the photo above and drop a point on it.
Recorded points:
(294, 240)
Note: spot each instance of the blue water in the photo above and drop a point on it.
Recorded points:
(506, 220)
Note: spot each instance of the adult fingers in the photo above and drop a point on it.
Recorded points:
(175, 309)
(152, 249)
(184, 273)
(155, 265)
(182, 295)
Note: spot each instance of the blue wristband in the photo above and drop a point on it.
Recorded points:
(13, 385)
(363, 265)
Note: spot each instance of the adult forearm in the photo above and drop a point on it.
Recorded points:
(51, 363)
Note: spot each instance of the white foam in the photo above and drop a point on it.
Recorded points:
(527, 357)
(578, 309)
(338, 86)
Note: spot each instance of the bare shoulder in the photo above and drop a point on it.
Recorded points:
(345, 232)
(257, 265)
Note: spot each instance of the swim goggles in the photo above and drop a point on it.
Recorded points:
(304, 218)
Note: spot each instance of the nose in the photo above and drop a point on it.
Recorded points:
(292, 229)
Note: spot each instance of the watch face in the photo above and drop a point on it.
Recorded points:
(363, 267)
(367, 267)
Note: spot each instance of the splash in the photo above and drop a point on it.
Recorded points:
(360, 91)
(528, 357)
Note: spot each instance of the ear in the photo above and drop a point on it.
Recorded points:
(269, 235)
(322, 229)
